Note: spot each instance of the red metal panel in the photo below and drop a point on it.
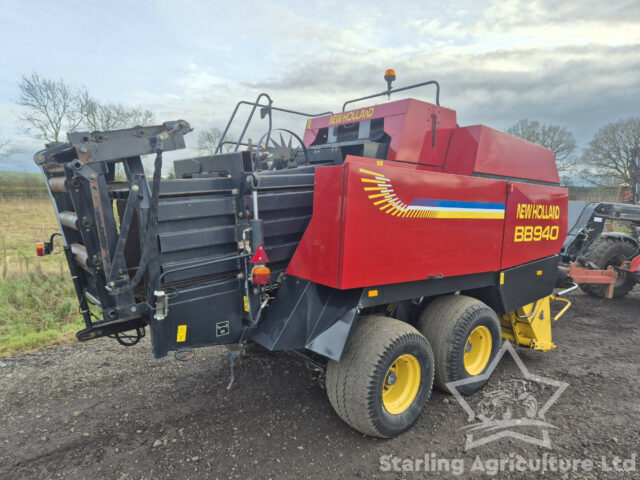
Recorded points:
(364, 113)
(502, 154)
(476, 149)
(408, 122)
(412, 133)
(535, 223)
(480, 149)
(463, 150)
(318, 254)
(361, 242)
(382, 245)
(634, 265)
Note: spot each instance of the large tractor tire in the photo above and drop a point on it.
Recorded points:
(610, 251)
(384, 378)
(465, 336)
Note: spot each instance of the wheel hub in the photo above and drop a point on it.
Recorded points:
(401, 384)
(391, 379)
(477, 350)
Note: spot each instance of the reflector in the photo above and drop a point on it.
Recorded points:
(260, 256)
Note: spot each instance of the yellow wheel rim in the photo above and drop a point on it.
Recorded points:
(477, 350)
(401, 384)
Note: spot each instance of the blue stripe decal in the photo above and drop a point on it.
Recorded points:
(426, 202)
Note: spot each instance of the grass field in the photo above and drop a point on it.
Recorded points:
(37, 301)
(21, 185)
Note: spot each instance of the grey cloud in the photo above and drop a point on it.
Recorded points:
(580, 87)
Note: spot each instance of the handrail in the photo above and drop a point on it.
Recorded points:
(395, 90)
(265, 110)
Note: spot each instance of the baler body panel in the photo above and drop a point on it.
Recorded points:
(444, 225)
(535, 223)
(418, 131)
(378, 222)
(483, 151)
(428, 135)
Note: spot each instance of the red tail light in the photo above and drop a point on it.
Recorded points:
(40, 249)
(261, 275)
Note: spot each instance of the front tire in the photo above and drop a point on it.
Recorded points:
(610, 251)
(465, 335)
(384, 378)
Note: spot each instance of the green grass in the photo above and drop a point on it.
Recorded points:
(38, 305)
(36, 310)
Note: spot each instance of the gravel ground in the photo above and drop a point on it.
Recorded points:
(98, 410)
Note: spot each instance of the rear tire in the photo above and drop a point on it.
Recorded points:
(610, 251)
(384, 378)
(465, 336)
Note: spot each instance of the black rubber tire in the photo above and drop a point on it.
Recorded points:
(602, 253)
(447, 323)
(354, 385)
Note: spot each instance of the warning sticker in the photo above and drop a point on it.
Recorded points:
(182, 333)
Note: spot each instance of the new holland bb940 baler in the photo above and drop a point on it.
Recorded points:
(389, 247)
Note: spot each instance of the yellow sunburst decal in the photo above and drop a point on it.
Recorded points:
(380, 191)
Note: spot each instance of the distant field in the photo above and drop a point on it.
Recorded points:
(37, 300)
(22, 185)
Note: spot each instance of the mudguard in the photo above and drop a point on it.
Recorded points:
(305, 314)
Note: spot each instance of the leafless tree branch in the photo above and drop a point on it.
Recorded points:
(5, 151)
(608, 157)
(112, 116)
(208, 141)
(558, 139)
(49, 107)
(52, 107)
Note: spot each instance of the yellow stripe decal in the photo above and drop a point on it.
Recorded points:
(369, 172)
(388, 202)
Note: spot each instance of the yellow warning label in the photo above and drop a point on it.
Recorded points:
(501, 278)
(379, 163)
(182, 333)
(246, 304)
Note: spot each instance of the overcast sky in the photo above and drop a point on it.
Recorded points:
(573, 63)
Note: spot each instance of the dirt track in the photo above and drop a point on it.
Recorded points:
(96, 410)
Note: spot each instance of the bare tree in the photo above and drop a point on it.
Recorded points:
(558, 139)
(50, 107)
(4, 148)
(208, 141)
(609, 155)
(112, 116)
